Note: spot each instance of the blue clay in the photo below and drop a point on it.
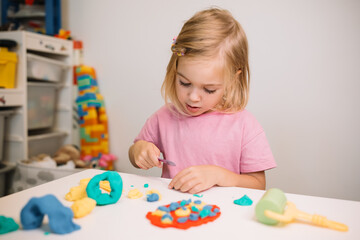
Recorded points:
(93, 189)
(212, 214)
(60, 217)
(152, 197)
(182, 220)
(163, 208)
(197, 201)
(167, 216)
(194, 216)
(173, 206)
(7, 225)
(207, 207)
(216, 210)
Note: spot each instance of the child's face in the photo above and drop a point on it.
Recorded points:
(199, 85)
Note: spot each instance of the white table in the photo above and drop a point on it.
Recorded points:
(126, 219)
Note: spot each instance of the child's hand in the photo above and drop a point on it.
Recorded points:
(146, 155)
(196, 178)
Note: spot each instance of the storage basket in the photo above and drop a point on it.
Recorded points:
(42, 68)
(41, 105)
(27, 176)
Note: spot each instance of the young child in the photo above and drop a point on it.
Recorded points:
(203, 126)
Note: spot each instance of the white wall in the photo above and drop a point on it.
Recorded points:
(305, 83)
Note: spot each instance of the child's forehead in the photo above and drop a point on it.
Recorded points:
(204, 71)
(184, 62)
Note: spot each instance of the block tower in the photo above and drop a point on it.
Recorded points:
(92, 120)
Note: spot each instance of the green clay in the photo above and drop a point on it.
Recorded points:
(274, 200)
(7, 225)
(244, 201)
(146, 185)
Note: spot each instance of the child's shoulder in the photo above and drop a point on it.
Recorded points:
(243, 115)
(243, 118)
(165, 111)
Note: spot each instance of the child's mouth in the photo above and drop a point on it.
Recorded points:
(192, 109)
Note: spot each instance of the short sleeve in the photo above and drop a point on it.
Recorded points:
(149, 131)
(256, 153)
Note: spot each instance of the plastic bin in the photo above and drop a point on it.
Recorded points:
(41, 105)
(8, 62)
(43, 68)
(27, 176)
(47, 143)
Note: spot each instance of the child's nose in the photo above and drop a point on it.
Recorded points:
(194, 95)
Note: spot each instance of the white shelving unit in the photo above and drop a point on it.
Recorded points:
(20, 143)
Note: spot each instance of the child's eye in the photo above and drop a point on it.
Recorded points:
(209, 91)
(184, 84)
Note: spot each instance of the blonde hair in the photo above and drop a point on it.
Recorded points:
(213, 33)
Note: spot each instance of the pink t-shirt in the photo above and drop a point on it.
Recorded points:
(233, 141)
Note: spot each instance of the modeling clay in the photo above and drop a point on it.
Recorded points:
(105, 185)
(244, 201)
(116, 185)
(153, 195)
(198, 195)
(183, 212)
(60, 217)
(146, 185)
(7, 225)
(166, 219)
(134, 194)
(177, 216)
(76, 193)
(79, 192)
(83, 207)
(198, 204)
(173, 206)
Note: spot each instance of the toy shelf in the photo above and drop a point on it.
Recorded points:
(23, 139)
(48, 11)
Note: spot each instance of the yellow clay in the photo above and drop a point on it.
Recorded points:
(158, 212)
(134, 194)
(83, 207)
(198, 206)
(182, 213)
(76, 193)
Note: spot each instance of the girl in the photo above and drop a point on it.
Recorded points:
(203, 126)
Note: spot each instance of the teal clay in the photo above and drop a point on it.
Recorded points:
(244, 201)
(7, 225)
(93, 190)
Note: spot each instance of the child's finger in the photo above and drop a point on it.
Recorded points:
(196, 189)
(181, 178)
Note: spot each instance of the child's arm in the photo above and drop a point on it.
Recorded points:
(143, 154)
(199, 178)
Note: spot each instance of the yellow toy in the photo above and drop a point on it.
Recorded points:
(273, 208)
